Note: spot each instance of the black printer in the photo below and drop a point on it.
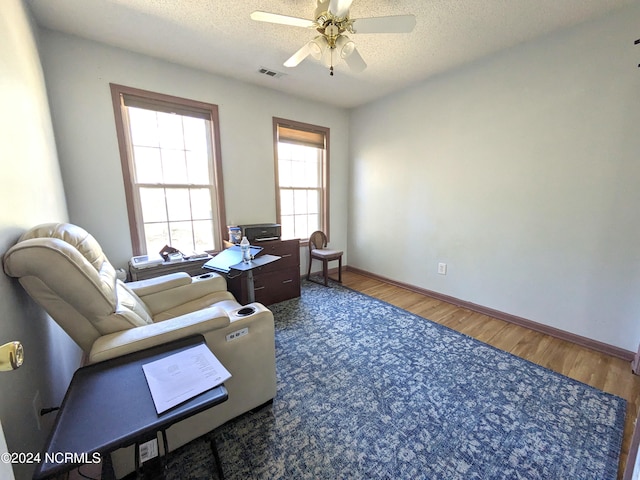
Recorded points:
(260, 232)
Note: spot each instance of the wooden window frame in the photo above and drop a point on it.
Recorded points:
(182, 106)
(313, 130)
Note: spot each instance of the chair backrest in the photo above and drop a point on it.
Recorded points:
(64, 269)
(317, 240)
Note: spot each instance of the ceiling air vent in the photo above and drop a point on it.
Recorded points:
(270, 73)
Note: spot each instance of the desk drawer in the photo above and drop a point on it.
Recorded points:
(277, 286)
(288, 250)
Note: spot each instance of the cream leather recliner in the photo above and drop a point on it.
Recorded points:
(63, 268)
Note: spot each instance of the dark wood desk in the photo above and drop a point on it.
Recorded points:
(274, 282)
(108, 406)
(229, 262)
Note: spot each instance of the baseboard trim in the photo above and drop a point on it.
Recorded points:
(523, 322)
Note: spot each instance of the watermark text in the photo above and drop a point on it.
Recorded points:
(50, 457)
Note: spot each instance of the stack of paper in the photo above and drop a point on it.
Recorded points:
(183, 375)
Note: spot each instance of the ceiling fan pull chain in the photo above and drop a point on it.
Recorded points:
(331, 67)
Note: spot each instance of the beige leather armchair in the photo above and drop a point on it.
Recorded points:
(63, 268)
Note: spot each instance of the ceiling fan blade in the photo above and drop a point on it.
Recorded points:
(282, 19)
(299, 56)
(355, 61)
(392, 24)
(339, 8)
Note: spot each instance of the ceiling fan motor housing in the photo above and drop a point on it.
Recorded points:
(329, 25)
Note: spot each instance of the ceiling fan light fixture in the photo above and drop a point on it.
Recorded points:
(345, 46)
(317, 46)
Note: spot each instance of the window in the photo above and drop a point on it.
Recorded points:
(170, 152)
(302, 166)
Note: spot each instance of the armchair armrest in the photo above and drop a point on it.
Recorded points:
(138, 338)
(159, 284)
(180, 290)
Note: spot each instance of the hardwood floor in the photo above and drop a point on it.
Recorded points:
(601, 371)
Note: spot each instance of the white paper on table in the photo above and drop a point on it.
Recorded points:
(183, 375)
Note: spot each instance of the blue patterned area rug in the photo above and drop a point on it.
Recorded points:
(369, 391)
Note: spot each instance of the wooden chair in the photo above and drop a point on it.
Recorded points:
(317, 251)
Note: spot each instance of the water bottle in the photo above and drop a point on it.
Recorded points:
(246, 251)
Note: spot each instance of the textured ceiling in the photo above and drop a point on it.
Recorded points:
(219, 37)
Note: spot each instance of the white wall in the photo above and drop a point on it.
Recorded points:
(31, 193)
(521, 173)
(78, 74)
(518, 171)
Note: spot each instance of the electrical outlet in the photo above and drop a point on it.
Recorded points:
(442, 268)
(37, 406)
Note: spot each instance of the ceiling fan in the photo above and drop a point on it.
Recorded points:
(332, 21)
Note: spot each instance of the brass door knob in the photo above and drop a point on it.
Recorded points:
(11, 356)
